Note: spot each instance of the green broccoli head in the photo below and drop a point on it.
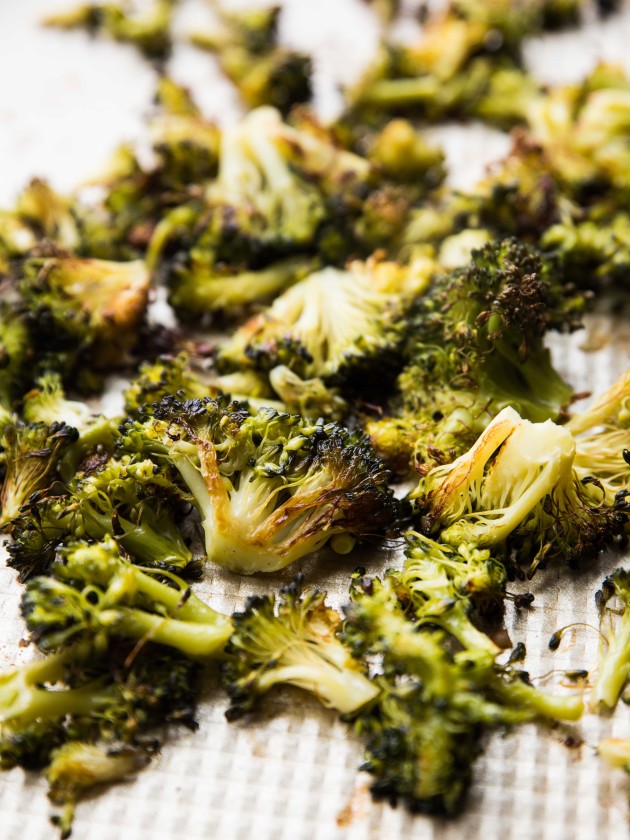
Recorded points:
(291, 639)
(94, 593)
(87, 304)
(269, 487)
(31, 455)
(331, 324)
(517, 489)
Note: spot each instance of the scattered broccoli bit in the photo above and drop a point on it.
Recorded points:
(615, 752)
(77, 767)
(292, 639)
(269, 487)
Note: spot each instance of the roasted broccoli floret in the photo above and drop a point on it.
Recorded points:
(475, 346)
(270, 488)
(149, 30)
(330, 323)
(32, 452)
(423, 731)
(99, 689)
(95, 592)
(516, 489)
(15, 352)
(265, 72)
(291, 639)
(614, 659)
(452, 70)
(77, 767)
(127, 500)
(86, 305)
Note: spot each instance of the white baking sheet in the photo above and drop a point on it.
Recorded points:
(290, 772)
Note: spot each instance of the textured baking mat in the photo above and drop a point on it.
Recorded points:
(290, 771)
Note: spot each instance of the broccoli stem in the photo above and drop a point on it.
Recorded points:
(212, 291)
(614, 667)
(194, 640)
(521, 694)
(400, 92)
(342, 689)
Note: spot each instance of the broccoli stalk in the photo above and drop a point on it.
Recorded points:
(106, 596)
(292, 640)
(614, 660)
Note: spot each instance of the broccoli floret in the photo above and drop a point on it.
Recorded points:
(423, 731)
(129, 500)
(480, 329)
(97, 434)
(48, 215)
(614, 659)
(77, 767)
(87, 304)
(452, 587)
(94, 591)
(270, 488)
(31, 454)
(121, 700)
(247, 48)
(516, 489)
(185, 144)
(291, 639)
(150, 31)
(330, 323)
(452, 68)
(15, 352)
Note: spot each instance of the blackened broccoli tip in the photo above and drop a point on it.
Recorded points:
(269, 487)
(291, 639)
